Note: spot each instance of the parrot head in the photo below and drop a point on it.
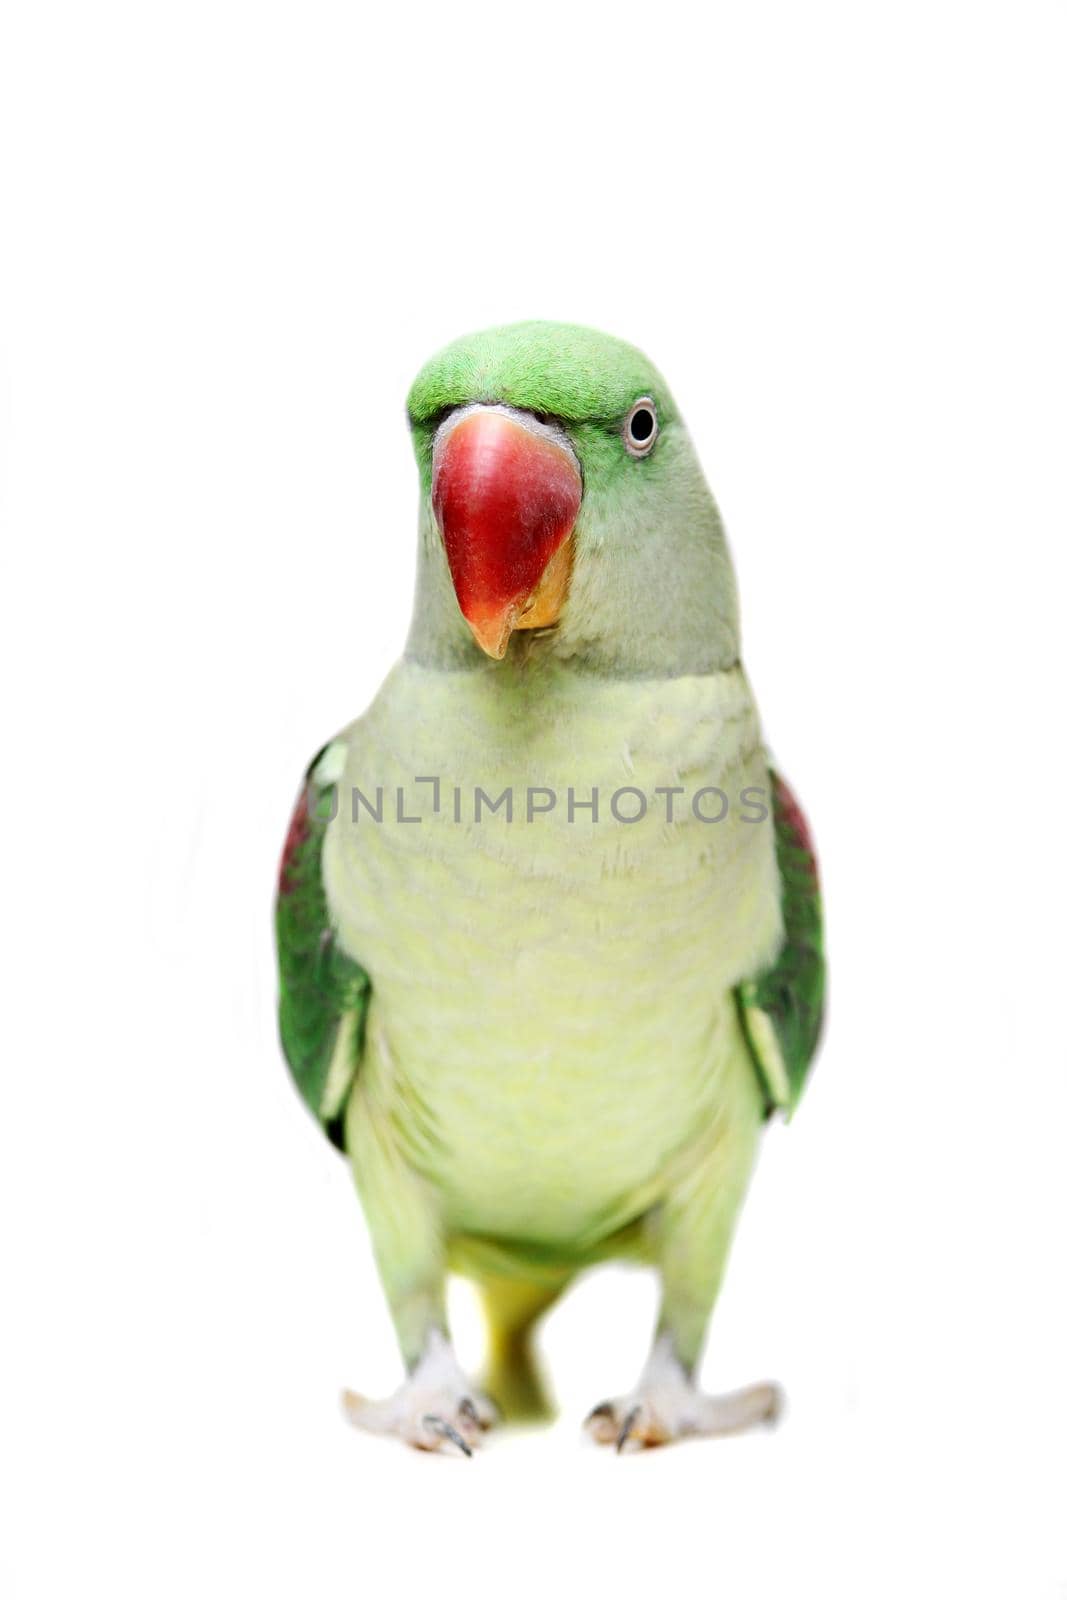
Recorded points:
(563, 506)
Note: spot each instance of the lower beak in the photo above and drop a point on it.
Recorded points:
(506, 495)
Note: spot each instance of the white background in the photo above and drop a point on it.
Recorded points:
(231, 235)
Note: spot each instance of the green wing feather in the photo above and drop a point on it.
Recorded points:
(323, 993)
(781, 1010)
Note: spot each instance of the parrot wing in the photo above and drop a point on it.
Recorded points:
(781, 1009)
(323, 993)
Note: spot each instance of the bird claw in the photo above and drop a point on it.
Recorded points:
(616, 1422)
(469, 1411)
(627, 1428)
(445, 1430)
(662, 1413)
(436, 1407)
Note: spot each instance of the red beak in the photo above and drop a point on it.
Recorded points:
(506, 495)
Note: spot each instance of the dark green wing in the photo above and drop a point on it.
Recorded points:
(782, 1010)
(323, 993)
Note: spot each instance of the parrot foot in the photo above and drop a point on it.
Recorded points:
(437, 1408)
(667, 1406)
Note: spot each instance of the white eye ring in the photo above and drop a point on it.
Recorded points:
(641, 428)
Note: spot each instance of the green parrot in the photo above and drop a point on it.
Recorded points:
(548, 925)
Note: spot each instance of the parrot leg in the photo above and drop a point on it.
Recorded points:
(666, 1405)
(688, 1238)
(437, 1407)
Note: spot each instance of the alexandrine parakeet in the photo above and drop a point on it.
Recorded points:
(548, 924)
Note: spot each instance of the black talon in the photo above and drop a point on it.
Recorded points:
(445, 1429)
(604, 1409)
(627, 1428)
(468, 1409)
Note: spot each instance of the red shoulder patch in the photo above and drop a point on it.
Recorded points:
(794, 822)
(295, 839)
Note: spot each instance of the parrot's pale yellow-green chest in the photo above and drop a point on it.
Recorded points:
(554, 995)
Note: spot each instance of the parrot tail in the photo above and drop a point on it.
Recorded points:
(513, 1378)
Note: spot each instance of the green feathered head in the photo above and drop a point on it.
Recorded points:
(564, 511)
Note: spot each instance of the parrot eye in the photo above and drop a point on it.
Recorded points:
(641, 427)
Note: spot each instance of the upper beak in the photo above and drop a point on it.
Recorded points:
(506, 494)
